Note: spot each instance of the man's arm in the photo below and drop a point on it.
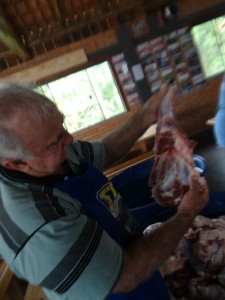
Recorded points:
(147, 254)
(118, 142)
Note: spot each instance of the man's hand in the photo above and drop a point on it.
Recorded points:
(146, 254)
(118, 142)
(197, 197)
(152, 105)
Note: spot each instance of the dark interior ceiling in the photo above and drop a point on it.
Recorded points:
(29, 28)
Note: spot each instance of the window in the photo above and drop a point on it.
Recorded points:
(86, 97)
(209, 38)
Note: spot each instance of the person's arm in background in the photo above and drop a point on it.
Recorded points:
(219, 120)
(119, 142)
(147, 254)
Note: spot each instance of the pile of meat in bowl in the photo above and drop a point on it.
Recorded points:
(196, 271)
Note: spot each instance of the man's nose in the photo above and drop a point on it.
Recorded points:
(67, 138)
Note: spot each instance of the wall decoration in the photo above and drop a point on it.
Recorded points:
(125, 78)
(171, 58)
(137, 72)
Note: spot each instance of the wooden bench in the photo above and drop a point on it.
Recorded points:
(34, 292)
(114, 170)
(8, 283)
(111, 172)
(138, 153)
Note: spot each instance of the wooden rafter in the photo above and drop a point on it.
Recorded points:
(55, 5)
(9, 38)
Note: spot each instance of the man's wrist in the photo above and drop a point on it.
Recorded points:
(185, 216)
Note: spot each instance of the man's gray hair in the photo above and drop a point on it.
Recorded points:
(21, 97)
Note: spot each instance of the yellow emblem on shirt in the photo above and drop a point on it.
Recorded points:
(109, 197)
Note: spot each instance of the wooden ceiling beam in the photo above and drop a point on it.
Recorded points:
(56, 9)
(10, 39)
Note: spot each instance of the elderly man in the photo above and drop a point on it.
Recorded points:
(63, 224)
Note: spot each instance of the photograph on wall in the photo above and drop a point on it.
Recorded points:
(183, 31)
(147, 60)
(125, 78)
(157, 44)
(155, 86)
(131, 93)
(133, 99)
(153, 76)
(171, 37)
(177, 58)
(181, 69)
(168, 75)
(186, 87)
(196, 70)
(152, 72)
(118, 59)
(186, 42)
(182, 77)
(191, 54)
(174, 48)
(121, 67)
(143, 50)
(198, 80)
(193, 62)
(185, 82)
(129, 88)
(162, 59)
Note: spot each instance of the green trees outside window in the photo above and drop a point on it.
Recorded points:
(86, 97)
(209, 38)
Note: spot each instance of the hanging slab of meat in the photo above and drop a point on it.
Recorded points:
(173, 165)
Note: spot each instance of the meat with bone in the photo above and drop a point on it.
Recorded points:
(173, 165)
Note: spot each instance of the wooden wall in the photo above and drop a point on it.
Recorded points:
(194, 109)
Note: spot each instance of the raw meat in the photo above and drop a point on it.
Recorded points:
(196, 269)
(173, 165)
(205, 290)
(177, 261)
(208, 251)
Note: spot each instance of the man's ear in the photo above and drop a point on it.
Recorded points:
(16, 164)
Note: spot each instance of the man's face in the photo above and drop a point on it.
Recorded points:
(47, 142)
